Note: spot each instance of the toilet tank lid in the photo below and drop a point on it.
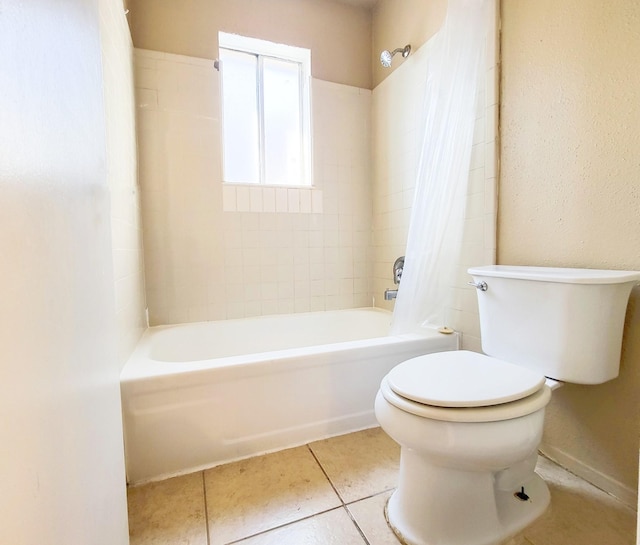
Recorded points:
(557, 274)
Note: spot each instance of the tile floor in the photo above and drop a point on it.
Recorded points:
(333, 492)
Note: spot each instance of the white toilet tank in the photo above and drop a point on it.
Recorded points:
(564, 323)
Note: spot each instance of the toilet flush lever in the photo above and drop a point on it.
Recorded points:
(482, 285)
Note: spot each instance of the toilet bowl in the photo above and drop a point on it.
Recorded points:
(469, 424)
(464, 455)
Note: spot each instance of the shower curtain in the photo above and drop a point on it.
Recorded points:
(455, 59)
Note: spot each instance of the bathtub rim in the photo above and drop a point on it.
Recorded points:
(140, 367)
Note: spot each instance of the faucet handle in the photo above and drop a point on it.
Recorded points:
(397, 275)
(398, 266)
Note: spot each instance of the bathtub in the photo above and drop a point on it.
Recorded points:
(198, 395)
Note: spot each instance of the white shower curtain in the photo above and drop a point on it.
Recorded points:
(456, 56)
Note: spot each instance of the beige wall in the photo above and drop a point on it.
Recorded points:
(62, 470)
(339, 35)
(122, 177)
(396, 24)
(570, 195)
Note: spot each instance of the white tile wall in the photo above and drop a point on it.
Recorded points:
(126, 231)
(217, 251)
(395, 158)
(242, 198)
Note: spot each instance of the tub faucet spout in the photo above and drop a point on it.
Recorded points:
(390, 294)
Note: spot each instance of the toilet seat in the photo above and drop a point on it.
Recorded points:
(462, 379)
(463, 386)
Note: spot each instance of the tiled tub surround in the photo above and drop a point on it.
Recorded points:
(195, 395)
(215, 251)
(126, 224)
(397, 105)
(332, 492)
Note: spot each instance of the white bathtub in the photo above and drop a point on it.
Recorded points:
(197, 395)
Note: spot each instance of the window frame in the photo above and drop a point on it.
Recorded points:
(262, 49)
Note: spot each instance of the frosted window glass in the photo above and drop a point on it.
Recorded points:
(240, 126)
(266, 112)
(282, 122)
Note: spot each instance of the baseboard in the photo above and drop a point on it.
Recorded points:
(626, 494)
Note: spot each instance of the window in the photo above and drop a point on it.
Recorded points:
(266, 112)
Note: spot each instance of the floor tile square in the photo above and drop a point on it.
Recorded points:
(330, 528)
(369, 516)
(359, 464)
(580, 513)
(261, 493)
(169, 512)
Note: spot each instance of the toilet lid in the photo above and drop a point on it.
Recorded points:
(462, 379)
(493, 413)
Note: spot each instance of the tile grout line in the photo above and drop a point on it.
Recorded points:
(344, 505)
(371, 496)
(326, 475)
(355, 523)
(284, 525)
(206, 508)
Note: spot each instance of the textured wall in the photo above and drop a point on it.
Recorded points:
(570, 195)
(339, 35)
(62, 469)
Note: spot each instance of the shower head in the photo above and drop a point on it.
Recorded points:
(386, 56)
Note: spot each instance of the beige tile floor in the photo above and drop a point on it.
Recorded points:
(333, 492)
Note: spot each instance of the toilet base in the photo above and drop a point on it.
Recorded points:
(432, 511)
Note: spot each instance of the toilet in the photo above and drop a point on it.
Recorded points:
(469, 424)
